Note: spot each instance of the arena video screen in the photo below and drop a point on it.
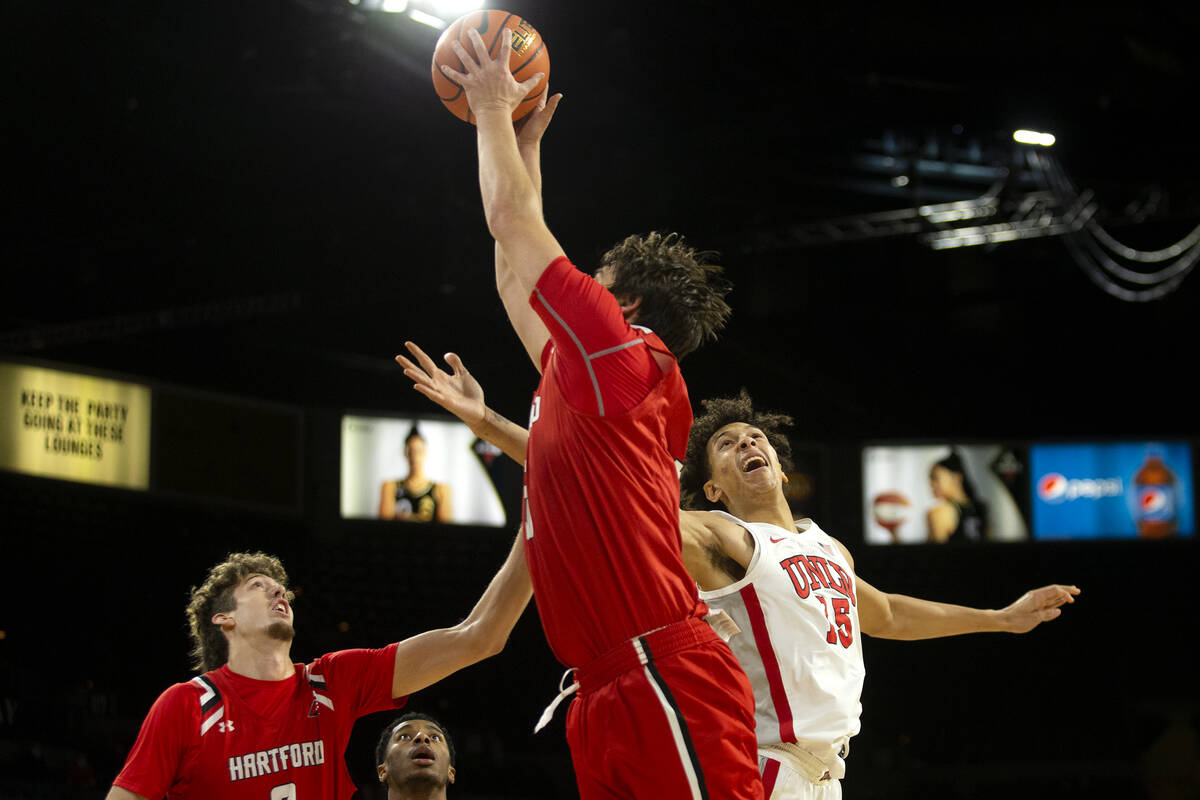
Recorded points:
(1122, 490)
(422, 470)
(945, 493)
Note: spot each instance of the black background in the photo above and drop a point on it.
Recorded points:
(262, 201)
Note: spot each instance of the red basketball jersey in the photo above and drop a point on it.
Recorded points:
(601, 512)
(225, 735)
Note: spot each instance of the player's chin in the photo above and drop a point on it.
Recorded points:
(282, 631)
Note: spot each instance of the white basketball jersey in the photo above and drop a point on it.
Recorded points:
(797, 608)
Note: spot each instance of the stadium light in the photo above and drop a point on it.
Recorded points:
(1033, 137)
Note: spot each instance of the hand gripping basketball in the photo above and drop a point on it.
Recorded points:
(456, 51)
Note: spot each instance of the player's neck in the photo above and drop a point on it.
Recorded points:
(773, 510)
(268, 660)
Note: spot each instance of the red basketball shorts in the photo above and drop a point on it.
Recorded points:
(666, 716)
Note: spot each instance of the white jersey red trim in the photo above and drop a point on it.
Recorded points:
(797, 608)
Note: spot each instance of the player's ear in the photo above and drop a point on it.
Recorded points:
(713, 492)
(450, 775)
(629, 307)
(381, 771)
(224, 619)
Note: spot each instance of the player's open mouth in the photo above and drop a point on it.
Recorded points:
(754, 462)
(281, 609)
(424, 756)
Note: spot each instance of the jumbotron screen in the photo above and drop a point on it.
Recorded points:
(420, 469)
(945, 493)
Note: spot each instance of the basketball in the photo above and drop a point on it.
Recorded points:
(529, 57)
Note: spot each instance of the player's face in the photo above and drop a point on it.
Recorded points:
(417, 752)
(414, 451)
(744, 465)
(262, 605)
(945, 483)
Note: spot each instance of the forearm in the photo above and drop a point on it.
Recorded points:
(510, 437)
(911, 618)
(531, 157)
(509, 193)
(425, 659)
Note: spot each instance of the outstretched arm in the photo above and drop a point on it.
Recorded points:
(511, 202)
(426, 658)
(459, 393)
(898, 616)
(515, 297)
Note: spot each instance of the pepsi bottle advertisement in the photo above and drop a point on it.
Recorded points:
(1127, 490)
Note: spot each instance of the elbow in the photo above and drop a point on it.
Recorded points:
(480, 643)
(510, 219)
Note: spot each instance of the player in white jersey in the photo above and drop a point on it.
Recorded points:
(794, 608)
(800, 609)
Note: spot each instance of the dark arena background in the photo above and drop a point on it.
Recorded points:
(247, 208)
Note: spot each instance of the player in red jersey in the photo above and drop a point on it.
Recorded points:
(255, 726)
(663, 709)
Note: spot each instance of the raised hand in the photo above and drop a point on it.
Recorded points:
(456, 391)
(1038, 606)
(488, 81)
(532, 126)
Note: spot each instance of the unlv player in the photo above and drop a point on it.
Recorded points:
(663, 709)
(255, 726)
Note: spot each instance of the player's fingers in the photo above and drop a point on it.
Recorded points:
(531, 84)
(481, 49)
(428, 391)
(456, 364)
(407, 365)
(417, 375)
(451, 73)
(422, 358)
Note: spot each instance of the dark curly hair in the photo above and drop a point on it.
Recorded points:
(719, 412)
(210, 648)
(683, 296)
(386, 736)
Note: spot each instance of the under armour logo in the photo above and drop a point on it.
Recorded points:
(225, 727)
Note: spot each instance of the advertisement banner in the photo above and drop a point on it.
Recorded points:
(1112, 490)
(74, 427)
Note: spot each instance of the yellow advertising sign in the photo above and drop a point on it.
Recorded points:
(75, 427)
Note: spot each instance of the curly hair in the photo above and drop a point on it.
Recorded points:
(386, 736)
(210, 648)
(719, 412)
(683, 296)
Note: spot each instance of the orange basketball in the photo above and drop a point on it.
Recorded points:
(529, 57)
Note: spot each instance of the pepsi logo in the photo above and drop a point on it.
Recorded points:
(1152, 500)
(1052, 487)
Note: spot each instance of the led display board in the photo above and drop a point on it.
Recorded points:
(945, 493)
(1112, 490)
(73, 426)
(459, 477)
